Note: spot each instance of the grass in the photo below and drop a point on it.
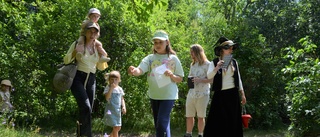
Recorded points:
(11, 132)
(266, 133)
(178, 132)
(99, 129)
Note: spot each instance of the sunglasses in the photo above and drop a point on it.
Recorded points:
(226, 47)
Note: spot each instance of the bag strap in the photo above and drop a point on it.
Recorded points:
(75, 45)
(72, 62)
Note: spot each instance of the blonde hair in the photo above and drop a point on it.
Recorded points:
(112, 74)
(199, 54)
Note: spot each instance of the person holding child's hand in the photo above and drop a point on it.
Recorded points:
(115, 100)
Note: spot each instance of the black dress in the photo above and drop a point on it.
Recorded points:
(224, 118)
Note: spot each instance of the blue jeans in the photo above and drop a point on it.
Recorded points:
(161, 114)
(84, 98)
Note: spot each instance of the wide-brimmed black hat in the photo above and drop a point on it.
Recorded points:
(224, 43)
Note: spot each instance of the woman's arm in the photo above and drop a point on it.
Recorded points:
(241, 90)
(69, 57)
(243, 97)
(212, 71)
(202, 80)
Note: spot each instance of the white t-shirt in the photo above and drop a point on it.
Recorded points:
(200, 89)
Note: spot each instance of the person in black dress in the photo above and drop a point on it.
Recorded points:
(224, 118)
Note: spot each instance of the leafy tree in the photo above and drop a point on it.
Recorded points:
(272, 24)
(37, 34)
(303, 88)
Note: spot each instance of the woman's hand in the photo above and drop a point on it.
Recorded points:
(243, 98)
(219, 64)
(196, 80)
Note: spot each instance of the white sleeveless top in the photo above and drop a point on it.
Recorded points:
(88, 62)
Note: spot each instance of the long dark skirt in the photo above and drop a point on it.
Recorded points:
(224, 118)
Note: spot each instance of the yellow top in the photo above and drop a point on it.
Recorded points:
(88, 63)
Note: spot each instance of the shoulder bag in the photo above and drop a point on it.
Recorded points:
(64, 76)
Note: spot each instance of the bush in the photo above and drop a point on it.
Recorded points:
(303, 88)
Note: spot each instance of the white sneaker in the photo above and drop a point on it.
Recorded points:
(104, 59)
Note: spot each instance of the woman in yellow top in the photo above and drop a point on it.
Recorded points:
(84, 83)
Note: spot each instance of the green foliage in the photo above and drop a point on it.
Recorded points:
(9, 132)
(37, 34)
(303, 88)
(267, 27)
(137, 101)
(144, 8)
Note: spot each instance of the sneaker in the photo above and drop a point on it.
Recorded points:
(104, 59)
(187, 135)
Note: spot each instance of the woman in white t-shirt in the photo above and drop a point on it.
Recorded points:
(199, 91)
